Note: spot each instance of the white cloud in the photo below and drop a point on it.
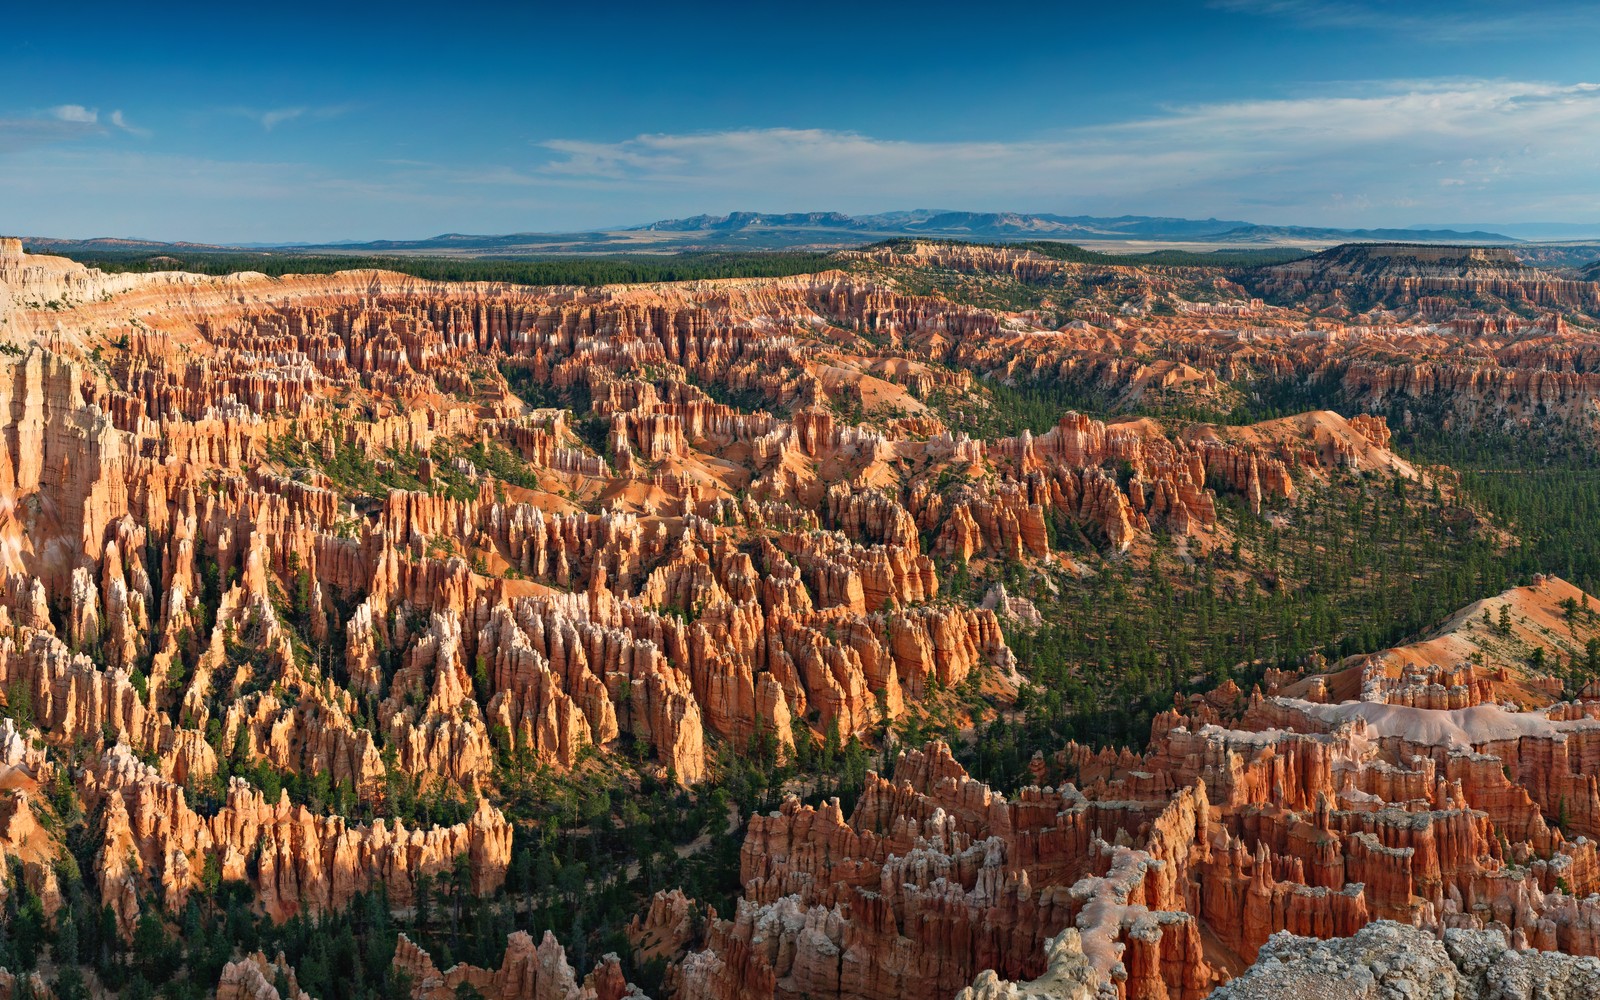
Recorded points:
(62, 123)
(1366, 150)
(1369, 154)
(76, 113)
(59, 124)
(83, 190)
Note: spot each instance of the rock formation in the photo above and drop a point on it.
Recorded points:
(255, 978)
(1387, 959)
(368, 535)
(296, 861)
(1162, 874)
(527, 972)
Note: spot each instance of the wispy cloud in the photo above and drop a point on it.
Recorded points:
(102, 190)
(1459, 22)
(18, 134)
(1375, 153)
(1372, 148)
(121, 121)
(271, 118)
(58, 124)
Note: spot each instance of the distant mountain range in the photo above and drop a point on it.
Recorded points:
(1014, 226)
(928, 222)
(830, 230)
(1530, 230)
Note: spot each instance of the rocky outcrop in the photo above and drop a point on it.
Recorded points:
(1067, 977)
(934, 878)
(527, 972)
(297, 862)
(1408, 273)
(12, 986)
(1160, 874)
(255, 978)
(1388, 959)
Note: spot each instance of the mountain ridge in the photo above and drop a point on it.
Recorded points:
(1002, 224)
(824, 230)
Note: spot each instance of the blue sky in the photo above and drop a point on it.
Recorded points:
(239, 123)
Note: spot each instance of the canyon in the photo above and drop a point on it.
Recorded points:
(1458, 335)
(302, 577)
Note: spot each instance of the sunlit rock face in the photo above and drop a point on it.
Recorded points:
(1253, 826)
(384, 533)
